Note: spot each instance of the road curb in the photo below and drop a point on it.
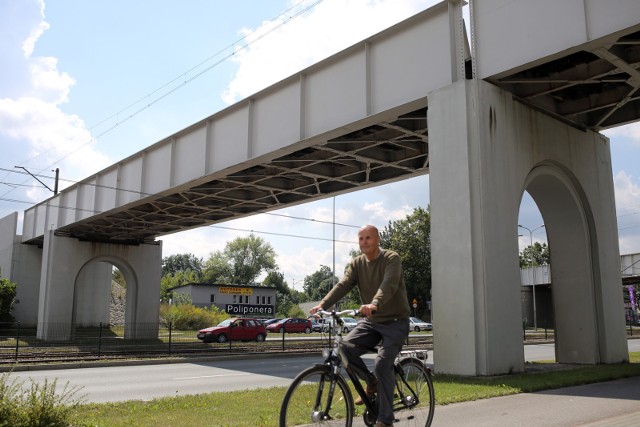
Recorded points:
(140, 362)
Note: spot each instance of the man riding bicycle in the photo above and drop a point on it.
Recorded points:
(379, 277)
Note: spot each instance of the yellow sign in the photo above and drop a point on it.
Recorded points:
(415, 301)
(236, 290)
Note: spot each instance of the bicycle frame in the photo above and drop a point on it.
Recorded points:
(336, 359)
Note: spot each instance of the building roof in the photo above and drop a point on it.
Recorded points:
(220, 285)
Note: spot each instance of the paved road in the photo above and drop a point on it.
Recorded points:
(145, 382)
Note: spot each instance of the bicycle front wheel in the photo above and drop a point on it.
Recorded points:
(417, 398)
(317, 397)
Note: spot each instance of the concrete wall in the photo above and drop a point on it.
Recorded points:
(93, 294)
(20, 264)
(8, 227)
(27, 266)
(486, 150)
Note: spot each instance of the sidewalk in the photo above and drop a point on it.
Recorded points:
(614, 403)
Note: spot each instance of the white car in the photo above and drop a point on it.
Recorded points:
(349, 324)
(419, 325)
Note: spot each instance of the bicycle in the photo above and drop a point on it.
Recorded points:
(320, 395)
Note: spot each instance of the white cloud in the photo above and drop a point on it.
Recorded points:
(35, 33)
(34, 128)
(47, 82)
(630, 131)
(381, 215)
(627, 192)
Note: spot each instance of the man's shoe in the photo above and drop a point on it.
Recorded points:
(381, 424)
(371, 391)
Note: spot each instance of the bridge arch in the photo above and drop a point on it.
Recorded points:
(573, 245)
(92, 291)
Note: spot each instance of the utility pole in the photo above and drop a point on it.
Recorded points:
(55, 188)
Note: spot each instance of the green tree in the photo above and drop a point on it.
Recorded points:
(296, 311)
(117, 276)
(8, 291)
(249, 257)
(181, 262)
(317, 284)
(284, 299)
(535, 255)
(170, 281)
(241, 262)
(217, 269)
(411, 239)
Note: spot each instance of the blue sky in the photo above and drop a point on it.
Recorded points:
(85, 84)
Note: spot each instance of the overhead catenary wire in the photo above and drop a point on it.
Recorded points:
(149, 194)
(184, 82)
(219, 226)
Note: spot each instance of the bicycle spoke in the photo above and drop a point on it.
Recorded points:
(313, 400)
(415, 395)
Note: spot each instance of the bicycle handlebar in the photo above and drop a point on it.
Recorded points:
(324, 313)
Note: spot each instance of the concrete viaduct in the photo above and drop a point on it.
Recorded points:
(516, 108)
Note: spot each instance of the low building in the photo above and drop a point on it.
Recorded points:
(237, 300)
(540, 307)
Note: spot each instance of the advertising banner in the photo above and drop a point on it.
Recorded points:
(236, 290)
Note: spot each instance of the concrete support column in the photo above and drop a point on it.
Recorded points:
(67, 266)
(485, 150)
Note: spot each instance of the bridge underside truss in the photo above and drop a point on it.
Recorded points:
(384, 152)
(595, 89)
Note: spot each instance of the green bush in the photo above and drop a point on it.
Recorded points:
(7, 297)
(38, 406)
(187, 317)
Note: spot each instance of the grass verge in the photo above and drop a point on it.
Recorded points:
(260, 407)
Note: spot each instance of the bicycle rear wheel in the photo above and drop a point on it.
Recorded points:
(418, 384)
(316, 397)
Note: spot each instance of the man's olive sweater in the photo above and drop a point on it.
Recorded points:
(380, 281)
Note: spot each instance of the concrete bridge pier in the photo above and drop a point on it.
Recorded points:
(75, 286)
(486, 149)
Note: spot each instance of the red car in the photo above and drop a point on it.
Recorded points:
(234, 329)
(291, 325)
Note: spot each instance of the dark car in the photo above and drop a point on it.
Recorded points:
(267, 322)
(291, 325)
(234, 329)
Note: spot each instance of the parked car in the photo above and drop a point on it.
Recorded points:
(291, 325)
(420, 325)
(349, 324)
(316, 326)
(267, 322)
(325, 324)
(234, 329)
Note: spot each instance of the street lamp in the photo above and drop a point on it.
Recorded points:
(533, 283)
